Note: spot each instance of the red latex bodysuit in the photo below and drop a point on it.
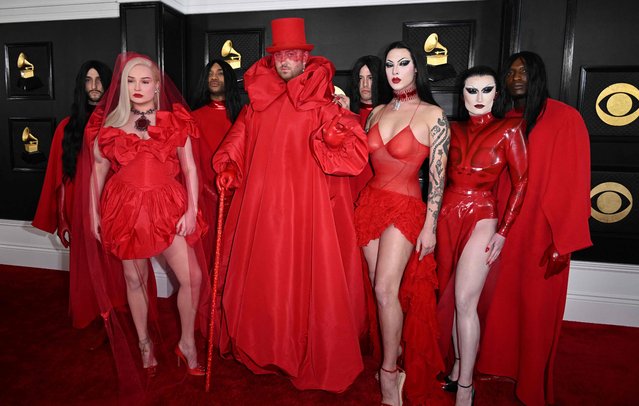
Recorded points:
(480, 150)
(393, 197)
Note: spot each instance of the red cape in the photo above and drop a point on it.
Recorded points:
(293, 301)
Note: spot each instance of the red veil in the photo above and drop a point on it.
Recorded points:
(104, 269)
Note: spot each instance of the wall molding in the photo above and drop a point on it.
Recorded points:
(14, 11)
(598, 292)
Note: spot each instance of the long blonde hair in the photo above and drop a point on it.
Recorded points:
(120, 115)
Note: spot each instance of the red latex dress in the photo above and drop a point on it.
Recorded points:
(523, 323)
(393, 197)
(480, 150)
(293, 298)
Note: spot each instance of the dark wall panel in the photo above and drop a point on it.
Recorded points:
(344, 34)
(73, 42)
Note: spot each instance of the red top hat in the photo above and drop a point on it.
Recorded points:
(288, 33)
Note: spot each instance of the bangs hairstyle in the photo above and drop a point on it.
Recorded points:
(380, 90)
(537, 88)
(421, 79)
(479, 70)
(120, 114)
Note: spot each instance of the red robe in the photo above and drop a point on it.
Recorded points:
(214, 123)
(294, 296)
(524, 319)
(82, 304)
(358, 182)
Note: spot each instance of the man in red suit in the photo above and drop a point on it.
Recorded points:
(524, 319)
(294, 296)
(55, 206)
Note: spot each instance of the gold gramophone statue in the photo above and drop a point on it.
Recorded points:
(28, 79)
(31, 152)
(230, 55)
(437, 59)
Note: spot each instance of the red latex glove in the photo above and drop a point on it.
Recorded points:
(335, 132)
(226, 179)
(554, 262)
(64, 234)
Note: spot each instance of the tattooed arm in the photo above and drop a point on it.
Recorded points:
(439, 135)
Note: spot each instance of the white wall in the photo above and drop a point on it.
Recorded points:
(597, 292)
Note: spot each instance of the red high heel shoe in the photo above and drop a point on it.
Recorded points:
(199, 370)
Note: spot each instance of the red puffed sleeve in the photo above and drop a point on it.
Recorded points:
(517, 159)
(231, 151)
(339, 145)
(566, 198)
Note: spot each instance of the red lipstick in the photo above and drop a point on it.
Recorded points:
(479, 106)
(396, 80)
(137, 95)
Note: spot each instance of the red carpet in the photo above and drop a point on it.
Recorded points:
(43, 361)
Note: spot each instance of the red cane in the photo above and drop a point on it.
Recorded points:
(216, 268)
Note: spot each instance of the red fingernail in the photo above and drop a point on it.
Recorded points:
(487, 248)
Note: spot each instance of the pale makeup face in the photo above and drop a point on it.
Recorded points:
(479, 94)
(93, 86)
(365, 85)
(142, 86)
(400, 69)
(216, 81)
(290, 63)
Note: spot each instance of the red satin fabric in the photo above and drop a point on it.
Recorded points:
(143, 201)
(524, 319)
(480, 150)
(83, 307)
(393, 197)
(293, 297)
(214, 123)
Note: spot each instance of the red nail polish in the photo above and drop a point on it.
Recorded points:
(487, 248)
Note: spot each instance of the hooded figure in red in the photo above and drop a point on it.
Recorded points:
(293, 298)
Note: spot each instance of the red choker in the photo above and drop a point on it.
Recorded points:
(402, 96)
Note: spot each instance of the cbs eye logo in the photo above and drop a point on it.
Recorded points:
(610, 202)
(618, 104)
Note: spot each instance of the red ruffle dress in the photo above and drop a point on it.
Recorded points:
(393, 196)
(143, 200)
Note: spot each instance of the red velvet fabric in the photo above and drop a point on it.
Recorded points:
(524, 320)
(293, 298)
(480, 150)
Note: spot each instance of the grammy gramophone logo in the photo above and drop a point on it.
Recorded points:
(230, 55)
(437, 59)
(28, 79)
(31, 153)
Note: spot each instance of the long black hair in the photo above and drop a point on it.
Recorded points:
(537, 88)
(80, 112)
(232, 99)
(421, 80)
(479, 70)
(380, 90)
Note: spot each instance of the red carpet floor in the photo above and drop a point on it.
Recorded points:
(43, 361)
